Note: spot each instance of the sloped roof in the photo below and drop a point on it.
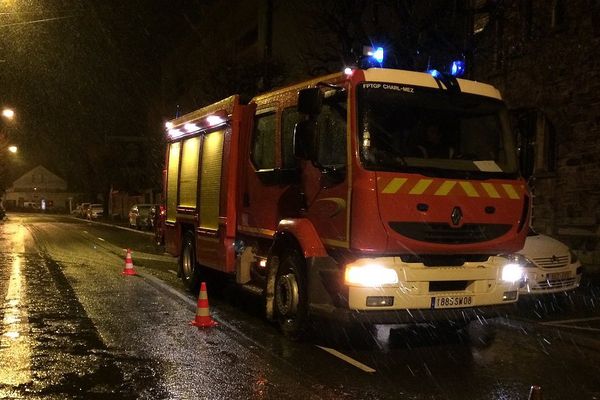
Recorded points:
(41, 178)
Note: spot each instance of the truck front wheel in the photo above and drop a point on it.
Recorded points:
(188, 266)
(291, 304)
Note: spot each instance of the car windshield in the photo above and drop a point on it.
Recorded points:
(433, 132)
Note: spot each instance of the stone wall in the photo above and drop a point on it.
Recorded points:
(546, 55)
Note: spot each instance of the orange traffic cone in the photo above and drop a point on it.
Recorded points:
(203, 319)
(128, 264)
(535, 393)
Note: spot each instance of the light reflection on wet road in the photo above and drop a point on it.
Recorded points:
(15, 364)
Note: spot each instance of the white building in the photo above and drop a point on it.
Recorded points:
(39, 189)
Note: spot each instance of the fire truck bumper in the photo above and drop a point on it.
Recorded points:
(422, 295)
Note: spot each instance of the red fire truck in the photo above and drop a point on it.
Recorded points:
(374, 195)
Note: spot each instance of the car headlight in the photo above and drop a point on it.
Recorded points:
(370, 275)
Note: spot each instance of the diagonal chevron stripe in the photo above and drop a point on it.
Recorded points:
(510, 191)
(394, 185)
(491, 190)
(445, 188)
(421, 186)
(469, 189)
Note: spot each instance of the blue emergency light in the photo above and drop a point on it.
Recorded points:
(373, 55)
(378, 55)
(457, 68)
(435, 73)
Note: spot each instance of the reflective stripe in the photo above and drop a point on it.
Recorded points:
(445, 188)
(394, 185)
(437, 187)
(491, 190)
(510, 191)
(421, 186)
(469, 189)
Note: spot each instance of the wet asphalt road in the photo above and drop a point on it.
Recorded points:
(75, 327)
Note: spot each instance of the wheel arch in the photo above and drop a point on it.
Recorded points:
(299, 234)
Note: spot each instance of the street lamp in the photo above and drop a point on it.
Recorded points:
(13, 149)
(8, 113)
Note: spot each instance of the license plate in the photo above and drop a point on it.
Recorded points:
(451, 301)
(557, 276)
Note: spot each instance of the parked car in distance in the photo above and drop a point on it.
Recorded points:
(551, 266)
(81, 210)
(95, 211)
(141, 216)
(31, 205)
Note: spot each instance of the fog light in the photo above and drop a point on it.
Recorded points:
(508, 296)
(380, 301)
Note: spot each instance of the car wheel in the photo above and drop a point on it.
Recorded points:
(291, 302)
(187, 263)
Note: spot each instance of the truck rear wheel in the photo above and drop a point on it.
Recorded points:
(187, 264)
(291, 302)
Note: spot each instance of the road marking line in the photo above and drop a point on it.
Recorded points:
(579, 328)
(173, 272)
(569, 321)
(349, 360)
(101, 239)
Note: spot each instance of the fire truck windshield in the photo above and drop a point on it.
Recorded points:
(434, 132)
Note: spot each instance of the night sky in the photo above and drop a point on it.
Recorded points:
(77, 72)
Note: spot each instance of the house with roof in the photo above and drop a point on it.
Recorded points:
(41, 189)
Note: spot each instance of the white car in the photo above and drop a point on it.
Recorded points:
(95, 211)
(551, 266)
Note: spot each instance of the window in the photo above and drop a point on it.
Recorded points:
(263, 141)
(527, 18)
(289, 119)
(332, 135)
(537, 140)
(559, 14)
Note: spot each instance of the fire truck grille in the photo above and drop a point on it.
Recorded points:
(446, 234)
(444, 260)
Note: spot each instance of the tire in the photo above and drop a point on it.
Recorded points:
(187, 263)
(291, 300)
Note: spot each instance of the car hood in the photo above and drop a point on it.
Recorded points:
(541, 246)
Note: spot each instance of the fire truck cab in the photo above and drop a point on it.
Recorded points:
(375, 195)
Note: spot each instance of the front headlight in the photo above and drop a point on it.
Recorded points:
(512, 272)
(370, 275)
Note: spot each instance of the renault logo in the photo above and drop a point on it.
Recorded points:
(456, 216)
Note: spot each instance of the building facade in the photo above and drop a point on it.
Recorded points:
(39, 189)
(545, 58)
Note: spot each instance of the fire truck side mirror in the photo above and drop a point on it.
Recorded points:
(304, 133)
(310, 101)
